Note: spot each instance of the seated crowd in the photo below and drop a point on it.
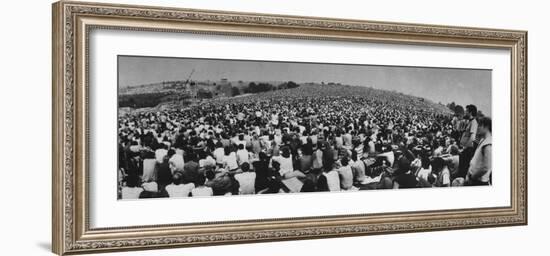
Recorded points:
(299, 145)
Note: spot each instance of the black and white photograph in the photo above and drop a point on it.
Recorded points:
(190, 127)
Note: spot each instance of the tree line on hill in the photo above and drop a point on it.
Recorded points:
(253, 87)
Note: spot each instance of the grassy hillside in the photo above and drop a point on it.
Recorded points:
(317, 90)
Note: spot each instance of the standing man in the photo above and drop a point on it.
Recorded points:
(480, 169)
(467, 139)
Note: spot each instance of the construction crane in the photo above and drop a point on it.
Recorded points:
(187, 85)
(188, 78)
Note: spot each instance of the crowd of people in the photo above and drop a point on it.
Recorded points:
(300, 143)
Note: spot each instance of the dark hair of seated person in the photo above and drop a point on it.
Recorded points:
(263, 156)
(191, 156)
(170, 153)
(286, 152)
(431, 178)
(273, 186)
(132, 181)
(201, 179)
(210, 174)
(344, 161)
(202, 154)
(437, 164)
(308, 149)
(245, 167)
(177, 178)
(276, 165)
(149, 194)
(309, 186)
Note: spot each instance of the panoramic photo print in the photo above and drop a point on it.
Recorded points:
(211, 127)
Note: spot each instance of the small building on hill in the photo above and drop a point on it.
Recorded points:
(225, 87)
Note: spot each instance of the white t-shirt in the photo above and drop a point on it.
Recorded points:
(286, 164)
(231, 161)
(131, 193)
(209, 161)
(278, 139)
(218, 154)
(246, 182)
(339, 142)
(313, 139)
(202, 191)
(444, 178)
(159, 154)
(181, 190)
(423, 175)
(177, 161)
(242, 156)
(333, 180)
(303, 139)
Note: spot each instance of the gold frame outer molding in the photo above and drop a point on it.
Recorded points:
(72, 22)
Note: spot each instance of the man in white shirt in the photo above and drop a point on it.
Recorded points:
(201, 190)
(246, 180)
(230, 160)
(242, 155)
(219, 153)
(160, 154)
(177, 189)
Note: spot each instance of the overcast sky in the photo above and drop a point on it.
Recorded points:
(463, 86)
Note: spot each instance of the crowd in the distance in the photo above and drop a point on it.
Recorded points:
(299, 144)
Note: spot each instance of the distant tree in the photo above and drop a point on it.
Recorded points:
(204, 94)
(235, 91)
(252, 87)
(132, 103)
(291, 84)
(287, 85)
(264, 87)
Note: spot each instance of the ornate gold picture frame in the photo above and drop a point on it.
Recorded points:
(72, 23)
